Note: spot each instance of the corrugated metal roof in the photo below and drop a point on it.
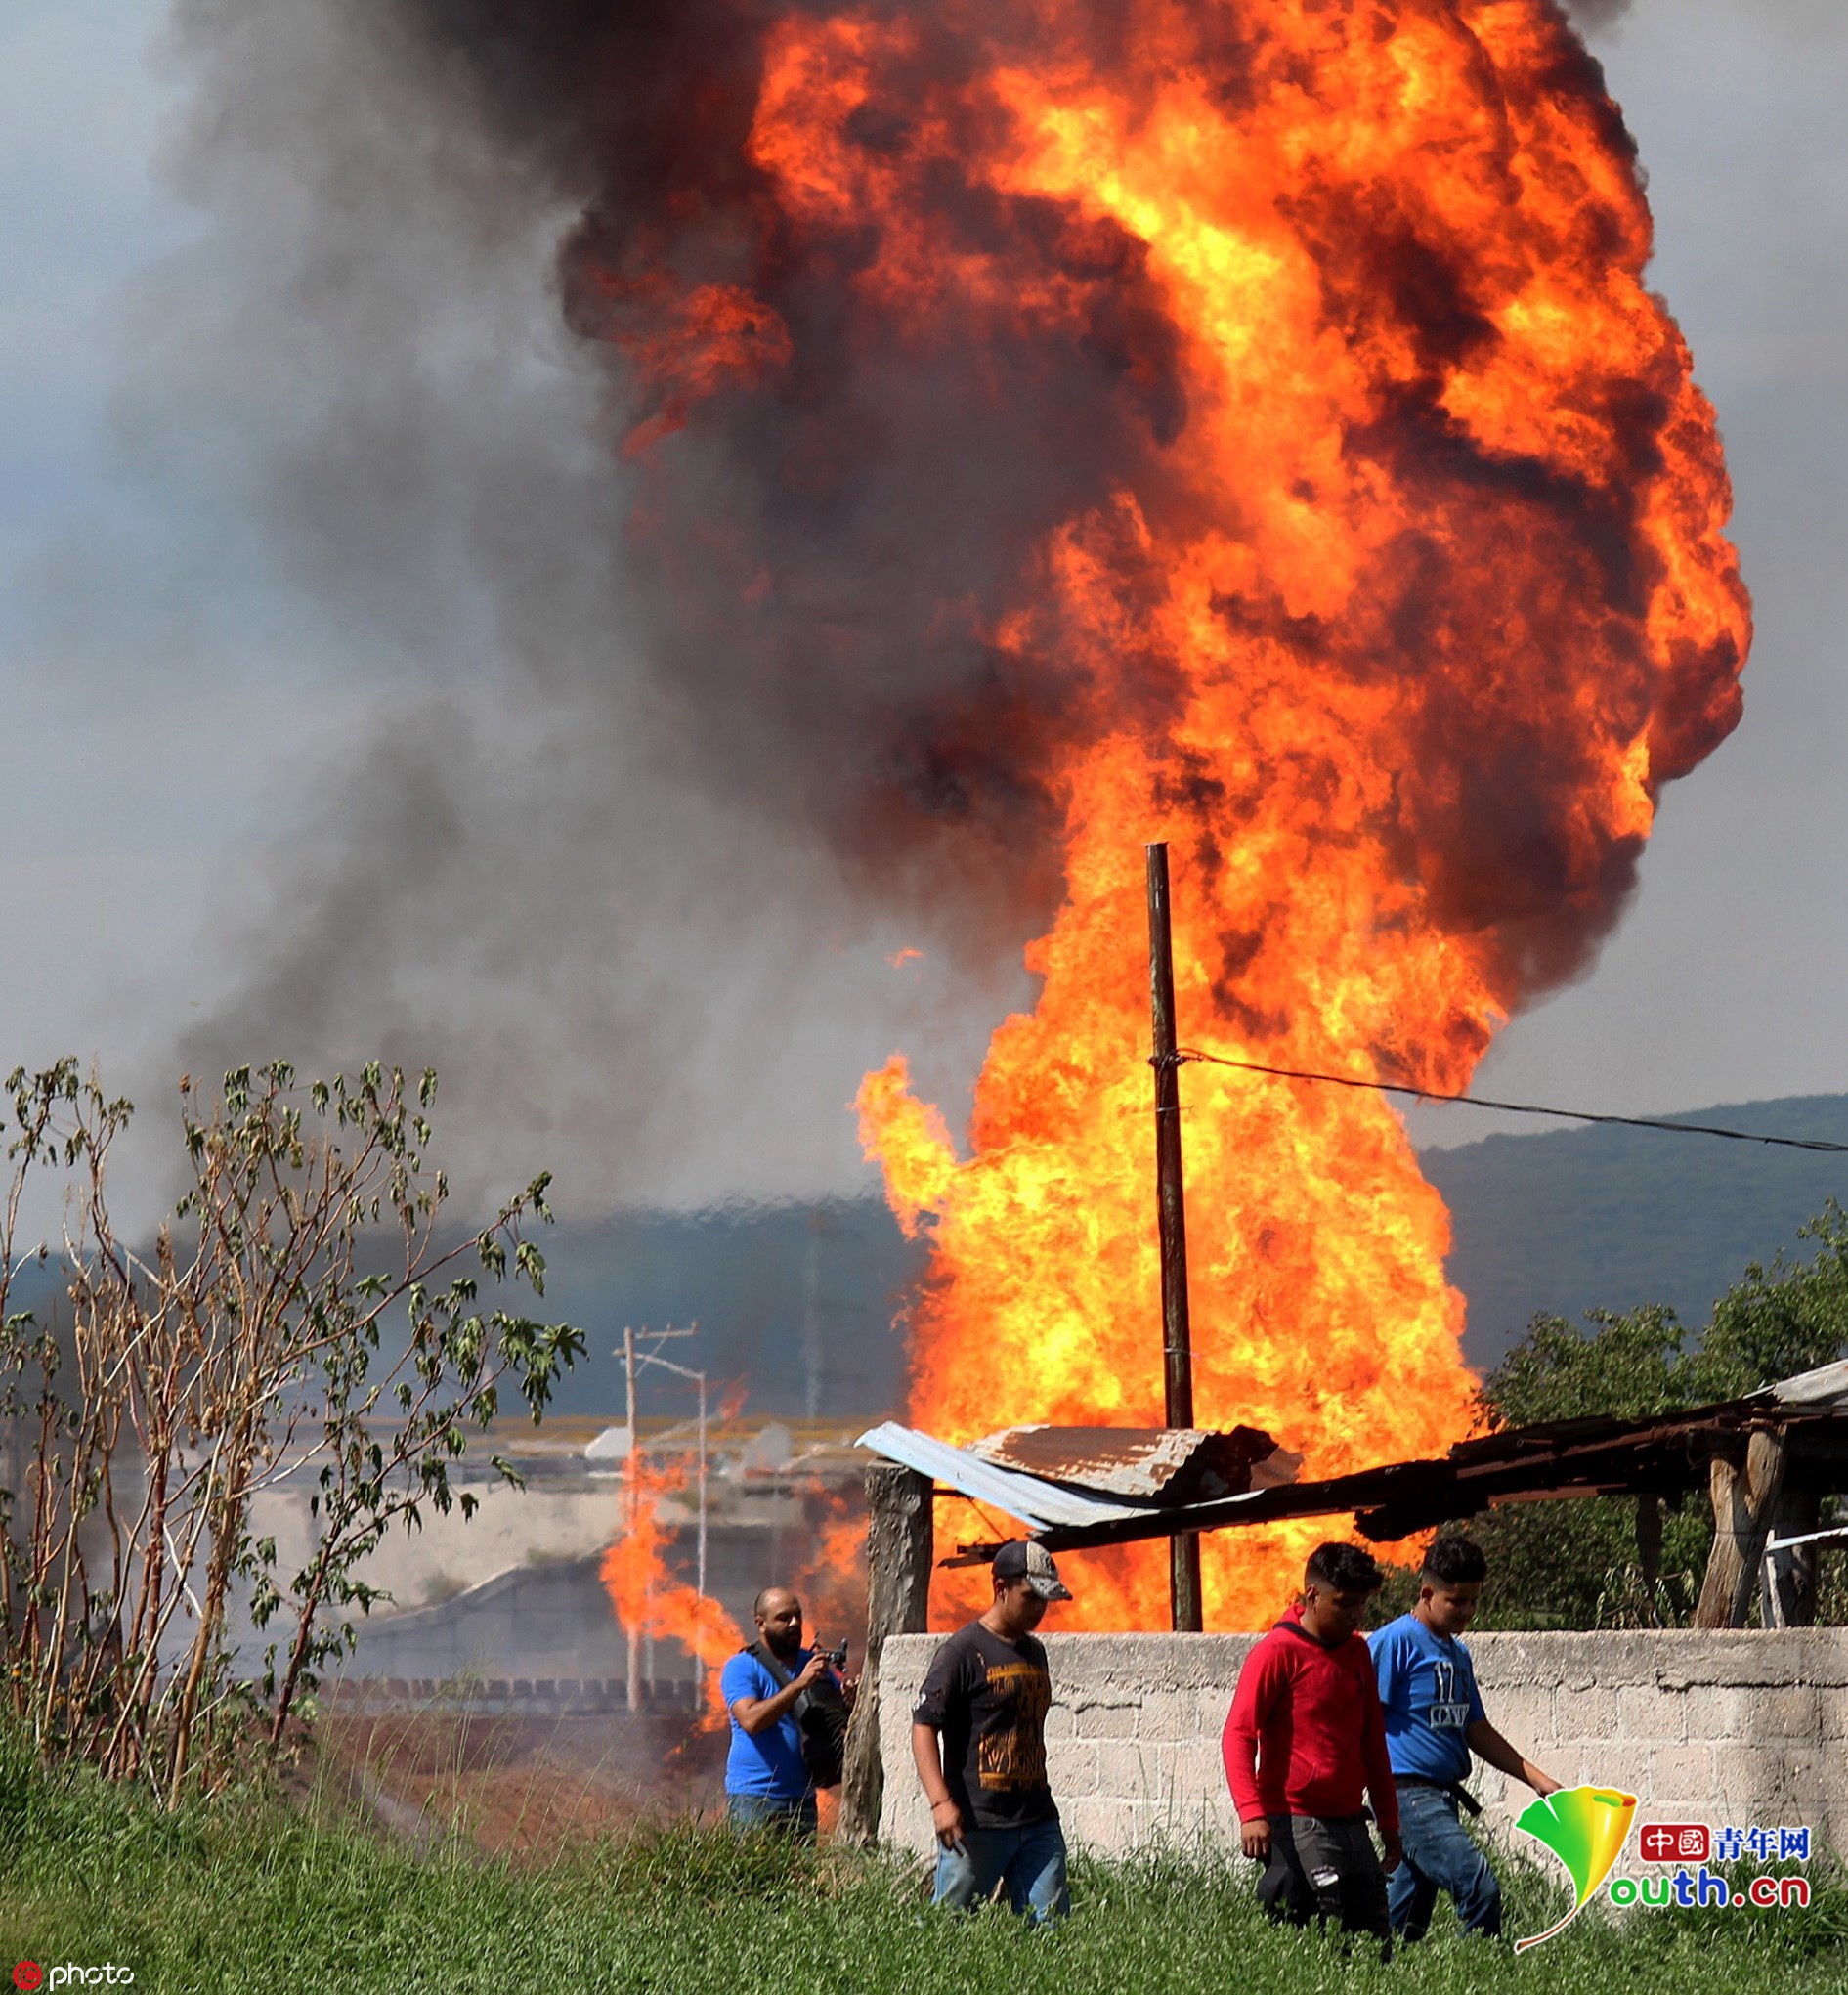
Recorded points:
(1147, 1464)
(1038, 1504)
(1828, 1382)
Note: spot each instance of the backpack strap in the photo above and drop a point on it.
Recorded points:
(778, 1674)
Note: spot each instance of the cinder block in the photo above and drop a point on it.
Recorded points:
(1125, 1771)
(1083, 1824)
(1718, 1710)
(1648, 1713)
(1523, 1715)
(1194, 1774)
(1680, 1773)
(1495, 1790)
(1060, 1723)
(1106, 1828)
(1172, 1714)
(1589, 1712)
(1071, 1766)
(1784, 1713)
(1803, 1776)
(1832, 1710)
(1745, 1776)
(1106, 1717)
(1193, 1827)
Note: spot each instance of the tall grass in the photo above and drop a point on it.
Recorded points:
(260, 1894)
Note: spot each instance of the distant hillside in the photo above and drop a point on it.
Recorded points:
(1563, 1221)
(1577, 1218)
(797, 1302)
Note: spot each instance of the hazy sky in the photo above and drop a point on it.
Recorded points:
(183, 695)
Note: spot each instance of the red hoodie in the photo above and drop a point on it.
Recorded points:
(1305, 1732)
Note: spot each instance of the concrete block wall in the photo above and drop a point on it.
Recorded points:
(1739, 1728)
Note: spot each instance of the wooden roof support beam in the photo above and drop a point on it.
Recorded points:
(1745, 1497)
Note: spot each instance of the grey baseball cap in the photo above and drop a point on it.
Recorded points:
(1023, 1559)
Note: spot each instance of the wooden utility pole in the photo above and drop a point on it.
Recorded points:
(898, 1544)
(1184, 1576)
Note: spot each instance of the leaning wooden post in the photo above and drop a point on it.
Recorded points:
(1790, 1575)
(898, 1547)
(1744, 1499)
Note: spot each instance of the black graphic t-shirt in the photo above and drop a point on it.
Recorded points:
(989, 1699)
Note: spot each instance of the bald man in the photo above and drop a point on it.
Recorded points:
(767, 1783)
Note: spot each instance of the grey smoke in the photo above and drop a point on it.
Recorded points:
(623, 866)
(625, 934)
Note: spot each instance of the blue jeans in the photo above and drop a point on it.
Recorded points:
(770, 1811)
(1030, 1862)
(1439, 1856)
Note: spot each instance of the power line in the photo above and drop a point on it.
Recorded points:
(1342, 1081)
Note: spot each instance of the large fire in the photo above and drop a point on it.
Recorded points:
(1386, 580)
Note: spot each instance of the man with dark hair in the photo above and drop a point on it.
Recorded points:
(986, 1694)
(1305, 1737)
(767, 1688)
(1434, 1720)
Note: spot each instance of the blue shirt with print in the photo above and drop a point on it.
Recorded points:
(772, 1763)
(1428, 1686)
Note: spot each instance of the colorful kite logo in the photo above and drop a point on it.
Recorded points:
(1586, 1829)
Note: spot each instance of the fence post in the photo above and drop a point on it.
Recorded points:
(898, 1547)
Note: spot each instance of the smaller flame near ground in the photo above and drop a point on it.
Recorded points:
(830, 1582)
(649, 1597)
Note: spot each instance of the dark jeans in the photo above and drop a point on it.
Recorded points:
(1325, 1868)
(1439, 1856)
(1028, 1863)
(767, 1812)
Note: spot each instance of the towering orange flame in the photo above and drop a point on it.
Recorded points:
(1431, 408)
(1303, 474)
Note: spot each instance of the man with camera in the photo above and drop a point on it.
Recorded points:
(789, 1712)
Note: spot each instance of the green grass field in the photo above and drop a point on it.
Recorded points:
(261, 1895)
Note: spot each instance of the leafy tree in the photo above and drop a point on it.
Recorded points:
(1638, 1561)
(301, 1319)
(1777, 1322)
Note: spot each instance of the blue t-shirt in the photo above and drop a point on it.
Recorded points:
(1428, 1686)
(772, 1763)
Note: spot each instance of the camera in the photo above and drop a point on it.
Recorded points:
(836, 1656)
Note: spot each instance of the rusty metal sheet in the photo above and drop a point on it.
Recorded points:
(1145, 1464)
